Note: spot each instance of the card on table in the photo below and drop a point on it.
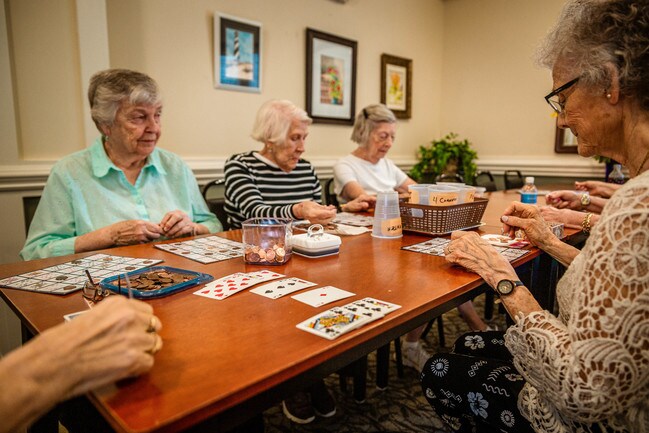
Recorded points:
(71, 316)
(230, 284)
(322, 295)
(283, 287)
(331, 324)
(376, 305)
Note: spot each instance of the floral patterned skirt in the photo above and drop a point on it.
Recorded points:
(475, 387)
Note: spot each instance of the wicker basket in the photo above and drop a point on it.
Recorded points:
(441, 220)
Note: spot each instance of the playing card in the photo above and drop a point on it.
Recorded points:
(365, 311)
(225, 287)
(322, 296)
(71, 316)
(277, 289)
(376, 305)
(263, 275)
(331, 324)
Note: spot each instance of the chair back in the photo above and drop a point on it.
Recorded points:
(456, 178)
(216, 201)
(330, 194)
(486, 180)
(513, 179)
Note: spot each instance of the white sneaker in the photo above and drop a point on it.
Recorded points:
(414, 355)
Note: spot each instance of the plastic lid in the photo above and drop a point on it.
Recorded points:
(529, 179)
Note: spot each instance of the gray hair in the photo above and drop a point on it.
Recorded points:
(591, 33)
(109, 88)
(274, 120)
(368, 119)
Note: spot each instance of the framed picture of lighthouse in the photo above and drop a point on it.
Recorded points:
(237, 53)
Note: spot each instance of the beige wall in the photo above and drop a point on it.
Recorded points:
(203, 121)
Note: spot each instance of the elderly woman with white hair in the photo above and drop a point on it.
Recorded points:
(366, 170)
(275, 182)
(122, 189)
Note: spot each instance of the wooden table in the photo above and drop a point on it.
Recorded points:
(226, 360)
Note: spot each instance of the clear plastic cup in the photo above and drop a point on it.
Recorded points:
(418, 193)
(387, 217)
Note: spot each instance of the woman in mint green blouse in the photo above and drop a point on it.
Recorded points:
(121, 190)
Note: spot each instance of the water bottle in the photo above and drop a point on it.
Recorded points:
(529, 191)
(616, 176)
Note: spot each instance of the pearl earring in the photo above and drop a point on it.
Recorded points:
(608, 95)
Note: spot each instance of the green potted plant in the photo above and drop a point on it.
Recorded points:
(448, 155)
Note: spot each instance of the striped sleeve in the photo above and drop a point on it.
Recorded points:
(254, 189)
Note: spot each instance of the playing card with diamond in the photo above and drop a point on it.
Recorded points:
(322, 295)
(225, 287)
(283, 287)
(331, 324)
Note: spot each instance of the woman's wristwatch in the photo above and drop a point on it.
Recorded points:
(584, 200)
(505, 287)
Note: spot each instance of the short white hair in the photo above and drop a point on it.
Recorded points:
(368, 119)
(274, 120)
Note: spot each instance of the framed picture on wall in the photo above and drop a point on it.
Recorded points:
(237, 53)
(565, 141)
(330, 78)
(396, 85)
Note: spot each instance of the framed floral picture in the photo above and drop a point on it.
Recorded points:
(330, 78)
(396, 85)
(237, 57)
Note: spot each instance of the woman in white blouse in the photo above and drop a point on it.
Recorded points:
(586, 370)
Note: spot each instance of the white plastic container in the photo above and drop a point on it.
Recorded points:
(316, 243)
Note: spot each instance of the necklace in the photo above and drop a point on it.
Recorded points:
(646, 156)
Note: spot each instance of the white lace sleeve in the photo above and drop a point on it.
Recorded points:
(592, 363)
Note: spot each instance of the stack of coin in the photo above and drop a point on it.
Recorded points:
(257, 254)
(157, 280)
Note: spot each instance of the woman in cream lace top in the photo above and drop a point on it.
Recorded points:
(587, 369)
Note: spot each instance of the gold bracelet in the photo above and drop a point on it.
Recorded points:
(585, 224)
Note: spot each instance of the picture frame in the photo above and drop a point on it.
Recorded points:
(330, 78)
(237, 53)
(396, 85)
(564, 141)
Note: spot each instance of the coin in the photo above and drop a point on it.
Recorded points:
(270, 255)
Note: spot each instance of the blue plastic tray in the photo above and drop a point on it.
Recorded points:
(110, 283)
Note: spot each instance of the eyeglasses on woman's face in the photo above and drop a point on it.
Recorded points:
(556, 99)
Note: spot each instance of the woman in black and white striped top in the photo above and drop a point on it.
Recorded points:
(275, 182)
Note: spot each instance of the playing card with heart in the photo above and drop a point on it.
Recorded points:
(322, 295)
(226, 286)
(277, 289)
(263, 275)
(331, 324)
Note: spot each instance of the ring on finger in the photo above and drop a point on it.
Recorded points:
(152, 324)
(154, 349)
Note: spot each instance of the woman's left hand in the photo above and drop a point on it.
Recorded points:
(177, 223)
(564, 199)
(469, 250)
(361, 203)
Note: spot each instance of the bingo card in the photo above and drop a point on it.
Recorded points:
(210, 249)
(435, 247)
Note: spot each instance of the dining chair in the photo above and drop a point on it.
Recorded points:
(513, 179)
(216, 201)
(456, 178)
(330, 194)
(486, 180)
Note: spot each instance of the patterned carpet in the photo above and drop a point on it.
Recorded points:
(399, 408)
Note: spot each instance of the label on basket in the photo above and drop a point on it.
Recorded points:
(437, 198)
(414, 196)
(391, 227)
